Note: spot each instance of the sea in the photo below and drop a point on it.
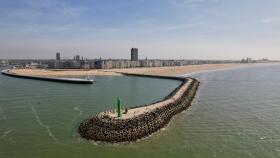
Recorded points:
(236, 114)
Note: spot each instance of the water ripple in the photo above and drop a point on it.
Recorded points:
(44, 126)
(5, 133)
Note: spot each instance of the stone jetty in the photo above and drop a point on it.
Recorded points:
(140, 121)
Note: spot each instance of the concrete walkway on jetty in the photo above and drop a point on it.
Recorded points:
(134, 112)
(64, 80)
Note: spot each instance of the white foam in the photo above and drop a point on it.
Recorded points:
(262, 138)
(5, 133)
(44, 126)
(78, 109)
(75, 115)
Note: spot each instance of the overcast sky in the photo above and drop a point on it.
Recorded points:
(166, 29)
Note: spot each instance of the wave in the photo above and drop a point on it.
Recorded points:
(5, 133)
(78, 109)
(80, 112)
(44, 126)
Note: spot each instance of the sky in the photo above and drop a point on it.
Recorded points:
(161, 29)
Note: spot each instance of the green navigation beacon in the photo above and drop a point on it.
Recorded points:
(119, 107)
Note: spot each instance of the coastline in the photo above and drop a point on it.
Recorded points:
(62, 73)
(161, 71)
(188, 69)
(227, 68)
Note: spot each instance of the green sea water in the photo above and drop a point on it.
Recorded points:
(236, 114)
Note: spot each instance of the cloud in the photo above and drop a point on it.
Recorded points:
(193, 10)
(270, 20)
(174, 27)
(192, 4)
(40, 4)
(38, 11)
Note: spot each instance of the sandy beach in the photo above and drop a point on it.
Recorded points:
(62, 73)
(163, 71)
(179, 70)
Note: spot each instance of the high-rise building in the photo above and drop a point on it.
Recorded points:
(77, 58)
(134, 54)
(58, 56)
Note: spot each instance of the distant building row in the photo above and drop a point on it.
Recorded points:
(4, 63)
(78, 63)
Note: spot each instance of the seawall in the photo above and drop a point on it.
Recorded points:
(140, 121)
(63, 80)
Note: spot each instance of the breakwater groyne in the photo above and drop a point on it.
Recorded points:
(63, 80)
(140, 121)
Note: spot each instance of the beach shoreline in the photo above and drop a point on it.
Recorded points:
(160, 71)
(62, 73)
(188, 69)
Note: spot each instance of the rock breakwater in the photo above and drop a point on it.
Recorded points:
(140, 121)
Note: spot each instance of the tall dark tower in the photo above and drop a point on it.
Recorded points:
(134, 54)
(77, 58)
(58, 56)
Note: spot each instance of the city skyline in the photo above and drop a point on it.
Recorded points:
(164, 29)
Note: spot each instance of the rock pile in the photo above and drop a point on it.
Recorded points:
(108, 129)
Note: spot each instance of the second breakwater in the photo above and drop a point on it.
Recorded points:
(63, 80)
